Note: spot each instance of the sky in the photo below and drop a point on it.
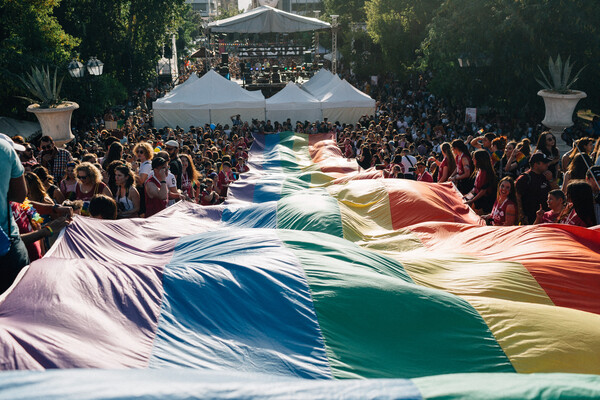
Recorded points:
(243, 4)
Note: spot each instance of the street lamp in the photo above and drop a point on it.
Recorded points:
(76, 69)
(94, 67)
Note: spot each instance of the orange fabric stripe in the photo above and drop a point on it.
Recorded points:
(564, 260)
(413, 202)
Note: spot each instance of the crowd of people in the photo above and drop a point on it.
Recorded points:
(509, 172)
(507, 182)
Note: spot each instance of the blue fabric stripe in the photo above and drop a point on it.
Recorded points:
(254, 216)
(180, 384)
(238, 302)
(268, 188)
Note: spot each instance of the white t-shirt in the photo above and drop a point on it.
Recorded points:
(171, 182)
(146, 168)
(412, 164)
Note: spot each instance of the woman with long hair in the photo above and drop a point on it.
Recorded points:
(483, 194)
(505, 211)
(580, 205)
(524, 146)
(584, 145)
(89, 184)
(577, 169)
(513, 162)
(448, 166)
(115, 152)
(48, 181)
(127, 196)
(110, 173)
(190, 184)
(36, 190)
(69, 181)
(547, 144)
(464, 167)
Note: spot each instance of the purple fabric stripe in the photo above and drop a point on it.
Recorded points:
(81, 314)
(93, 308)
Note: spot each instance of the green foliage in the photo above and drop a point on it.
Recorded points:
(512, 35)
(30, 35)
(227, 13)
(399, 27)
(127, 35)
(560, 74)
(44, 87)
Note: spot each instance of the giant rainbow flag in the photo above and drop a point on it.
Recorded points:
(314, 280)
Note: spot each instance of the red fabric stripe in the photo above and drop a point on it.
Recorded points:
(563, 259)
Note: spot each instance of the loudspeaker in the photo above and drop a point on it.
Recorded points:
(225, 58)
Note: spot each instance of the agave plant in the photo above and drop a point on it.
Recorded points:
(43, 87)
(560, 74)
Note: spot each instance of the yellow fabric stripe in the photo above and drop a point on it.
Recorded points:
(459, 274)
(364, 207)
(542, 338)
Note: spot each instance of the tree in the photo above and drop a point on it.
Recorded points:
(127, 35)
(399, 27)
(505, 41)
(29, 36)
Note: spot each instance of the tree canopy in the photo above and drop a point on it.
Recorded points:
(505, 41)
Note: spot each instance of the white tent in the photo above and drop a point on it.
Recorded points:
(267, 19)
(320, 79)
(325, 87)
(293, 103)
(346, 104)
(193, 78)
(210, 99)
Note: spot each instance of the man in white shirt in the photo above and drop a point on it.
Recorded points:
(410, 163)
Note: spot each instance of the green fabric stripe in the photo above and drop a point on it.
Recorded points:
(509, 386)
(378, 324)
(292, 185)
(310, 210)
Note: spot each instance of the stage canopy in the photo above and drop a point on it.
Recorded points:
(267, 19)
(293, 103)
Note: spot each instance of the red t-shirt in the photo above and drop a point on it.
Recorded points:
(153, 205)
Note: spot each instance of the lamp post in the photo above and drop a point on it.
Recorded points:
(334, 25)
(94, 67)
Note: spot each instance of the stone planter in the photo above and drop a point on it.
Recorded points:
(559, 109)
(55, 122)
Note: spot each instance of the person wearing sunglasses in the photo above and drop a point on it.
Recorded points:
(89, 184)
(143, 153)
(53, 158)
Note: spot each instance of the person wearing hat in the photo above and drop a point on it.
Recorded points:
(13, 253)
(533, 188)
(175, 165)
(593, 178)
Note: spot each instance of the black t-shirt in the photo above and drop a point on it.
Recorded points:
(533, 189)
(176, 169)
